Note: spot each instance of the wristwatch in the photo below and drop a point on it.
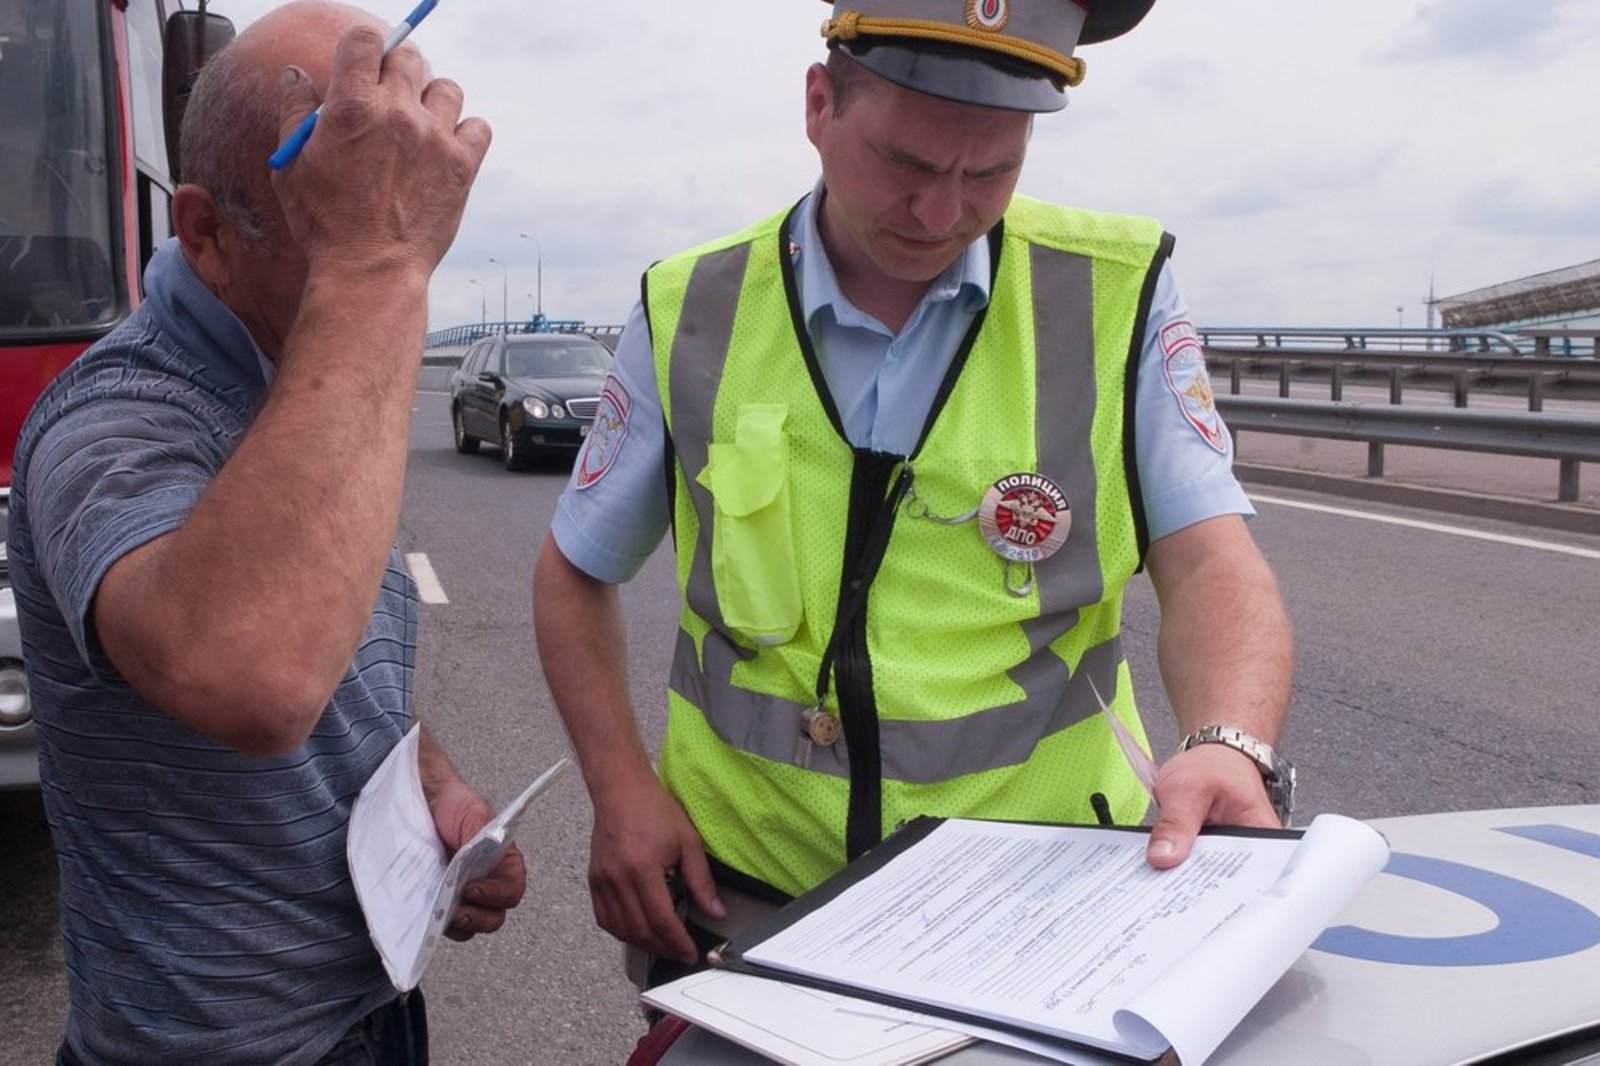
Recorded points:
(1277, 773)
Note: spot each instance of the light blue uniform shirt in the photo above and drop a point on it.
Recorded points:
(883, 384)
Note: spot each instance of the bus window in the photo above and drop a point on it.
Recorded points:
(145, 28)
(56, 176)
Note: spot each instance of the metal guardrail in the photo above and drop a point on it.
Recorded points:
(1467, 370)
(1327, 338)
(460, 336)
(1568, 439)
(1569, 342)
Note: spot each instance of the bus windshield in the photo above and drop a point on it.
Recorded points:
(56, 178)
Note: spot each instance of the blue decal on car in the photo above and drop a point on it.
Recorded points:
(1533, 923)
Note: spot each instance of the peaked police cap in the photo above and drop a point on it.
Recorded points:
(1010, 54)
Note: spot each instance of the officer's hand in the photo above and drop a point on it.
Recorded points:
(383, 181)
(641, 835)
(1210, 784)
(458, 814)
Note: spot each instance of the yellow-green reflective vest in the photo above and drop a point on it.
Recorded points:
(957, 696)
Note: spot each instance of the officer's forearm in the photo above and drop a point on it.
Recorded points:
(1226, 648)
(582, 638)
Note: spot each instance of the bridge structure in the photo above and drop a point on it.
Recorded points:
(445, 347)
(1311, 368)
(1461, 361)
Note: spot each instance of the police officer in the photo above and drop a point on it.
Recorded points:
(912, 435)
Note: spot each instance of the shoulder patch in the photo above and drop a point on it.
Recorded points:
(1185, 367)
(606, 436)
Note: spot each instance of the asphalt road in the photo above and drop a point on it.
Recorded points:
(1443, 664)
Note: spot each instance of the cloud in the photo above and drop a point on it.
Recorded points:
(1315, 160)
(1530, 208)
(1449, 29)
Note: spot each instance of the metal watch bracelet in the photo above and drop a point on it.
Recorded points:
(1277, 772)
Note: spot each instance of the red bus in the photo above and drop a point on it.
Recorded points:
(91, 92)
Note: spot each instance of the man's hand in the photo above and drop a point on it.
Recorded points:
(640, 836)
(1210, 784)
(384, 179)
(458, 813)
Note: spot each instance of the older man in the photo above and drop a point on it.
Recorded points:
(219, 635)
(913, 436)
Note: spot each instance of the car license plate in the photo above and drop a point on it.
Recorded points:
(583, 430)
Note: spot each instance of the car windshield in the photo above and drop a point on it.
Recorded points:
(562, 360)
(55, 176)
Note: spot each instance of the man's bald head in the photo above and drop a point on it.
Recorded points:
(232, 121)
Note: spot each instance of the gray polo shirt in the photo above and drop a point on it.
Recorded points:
(206, 906)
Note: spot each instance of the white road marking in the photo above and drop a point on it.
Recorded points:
(1434, 527)
(428, 588)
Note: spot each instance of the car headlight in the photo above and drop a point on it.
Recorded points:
(557, 411)
(15, 709)
(536, 408)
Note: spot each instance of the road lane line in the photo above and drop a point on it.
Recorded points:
(1434, 527)
(428, 588)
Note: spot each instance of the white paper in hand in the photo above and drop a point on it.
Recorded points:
(407, 889)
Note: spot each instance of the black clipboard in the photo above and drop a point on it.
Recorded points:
(732, 955)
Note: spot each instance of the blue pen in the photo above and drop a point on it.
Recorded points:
(302, 133)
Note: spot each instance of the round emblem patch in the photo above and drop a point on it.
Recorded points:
(1025, 517)
(988, 14)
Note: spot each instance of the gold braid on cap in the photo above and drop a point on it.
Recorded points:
(852, 24)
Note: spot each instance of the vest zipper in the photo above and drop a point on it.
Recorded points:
(878, 484)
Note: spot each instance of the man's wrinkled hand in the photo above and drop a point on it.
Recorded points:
(458, 814)
(384, 178)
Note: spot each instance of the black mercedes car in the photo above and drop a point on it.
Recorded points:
(529, 393)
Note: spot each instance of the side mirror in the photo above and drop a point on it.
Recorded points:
(192, 37)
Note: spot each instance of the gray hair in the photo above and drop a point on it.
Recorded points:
(232, 114)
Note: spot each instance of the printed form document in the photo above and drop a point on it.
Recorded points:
(1066, 932)
(407, 889)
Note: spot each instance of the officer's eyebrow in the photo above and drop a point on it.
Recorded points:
(904, 158)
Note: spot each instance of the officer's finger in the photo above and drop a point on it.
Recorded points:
(661, 916)
(1174, 831)
(696, 873)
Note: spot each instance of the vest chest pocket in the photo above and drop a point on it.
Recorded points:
(752, 542)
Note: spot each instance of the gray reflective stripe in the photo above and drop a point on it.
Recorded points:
(1065, 390)
(698, 355)
(915, 752)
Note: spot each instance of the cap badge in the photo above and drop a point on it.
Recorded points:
(988, 15)
(1025, 517)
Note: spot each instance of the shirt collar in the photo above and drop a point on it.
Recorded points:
(200, 323)
(967, 277)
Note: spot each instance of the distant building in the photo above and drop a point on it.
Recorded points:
(1556, 299)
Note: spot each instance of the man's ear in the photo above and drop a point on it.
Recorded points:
(204, 235)
(819, 102)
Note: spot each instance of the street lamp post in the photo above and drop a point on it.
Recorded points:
(538, 284)
(505, 279)
(483, 303)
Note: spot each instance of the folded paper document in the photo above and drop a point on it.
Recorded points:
(407, 889)
(800, 1026)
(1065, 932)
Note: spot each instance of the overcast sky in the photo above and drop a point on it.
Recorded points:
(1321, 162)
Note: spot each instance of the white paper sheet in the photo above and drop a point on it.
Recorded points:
(406, 888)
(799, 1026)
(1061, 929)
